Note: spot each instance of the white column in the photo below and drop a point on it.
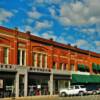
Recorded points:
(41, 55)
(20, 57)
(7, 56)
(35, 59)
(51, 84)
(25, 58)
(45, 61)
(69, 83)
(62, 66)
(17, 85)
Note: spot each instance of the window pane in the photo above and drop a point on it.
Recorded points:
(60, 66)
(72, 67)
(23, 57)
(64, 66)
(54, 65)
(18, 57)
(5, 55)
(39, 59)
(44, 60)
(34, 59)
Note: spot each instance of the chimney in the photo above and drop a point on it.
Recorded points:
(75, 46)
(51, 39)
(16, 28)
(69, 44)
(28, 32)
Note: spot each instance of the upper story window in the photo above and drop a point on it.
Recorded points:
(64, 66)
(54, 65)
(72, 67)
(83, 68)
(39, 59)
(44, 60)
(6, 55)
(34, 57)
(61, 66)
(21, 57)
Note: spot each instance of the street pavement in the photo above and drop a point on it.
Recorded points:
(90, 97)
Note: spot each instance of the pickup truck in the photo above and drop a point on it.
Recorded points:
(73, 90)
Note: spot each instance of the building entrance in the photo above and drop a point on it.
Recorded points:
(7, 84)
(21, 85)
(38, 84)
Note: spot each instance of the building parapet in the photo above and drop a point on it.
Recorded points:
(80, 73)
(60, 72)
(39, 70)
(7, 67)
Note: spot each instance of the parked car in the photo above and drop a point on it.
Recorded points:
(92, 90)
(73, 90)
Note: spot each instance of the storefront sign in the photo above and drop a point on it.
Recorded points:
(1, 83)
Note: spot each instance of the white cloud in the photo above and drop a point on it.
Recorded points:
(34, 14)
(88, 30)
(61, 40)
(52, 11)
(49, 35)
(43, 25)
(81, 42)
(71, 12)
(40, 1)
(5, 15)
(78, 12)
(97, 49)
(28, 28)
(31, 29)
(97, 43)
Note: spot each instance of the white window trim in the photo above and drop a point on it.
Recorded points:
(41, 55)
(21, 56)
(7, 62)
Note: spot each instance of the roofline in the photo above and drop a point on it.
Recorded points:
(53, 43)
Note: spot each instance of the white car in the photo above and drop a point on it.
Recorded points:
(73, 90)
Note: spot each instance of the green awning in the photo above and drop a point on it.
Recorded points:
(76, 78)
(79, 78)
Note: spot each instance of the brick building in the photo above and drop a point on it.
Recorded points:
(30, 65)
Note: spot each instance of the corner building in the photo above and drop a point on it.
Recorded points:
(30, 65)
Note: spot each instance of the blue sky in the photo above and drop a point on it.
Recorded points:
(66, 21)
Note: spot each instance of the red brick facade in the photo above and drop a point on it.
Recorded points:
(56, 52)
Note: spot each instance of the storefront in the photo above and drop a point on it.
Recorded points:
(7, 83)
(38, 83)
(60, 81)
(86, 80)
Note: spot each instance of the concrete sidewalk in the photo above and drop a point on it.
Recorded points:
(55, 97)
(45, 97)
